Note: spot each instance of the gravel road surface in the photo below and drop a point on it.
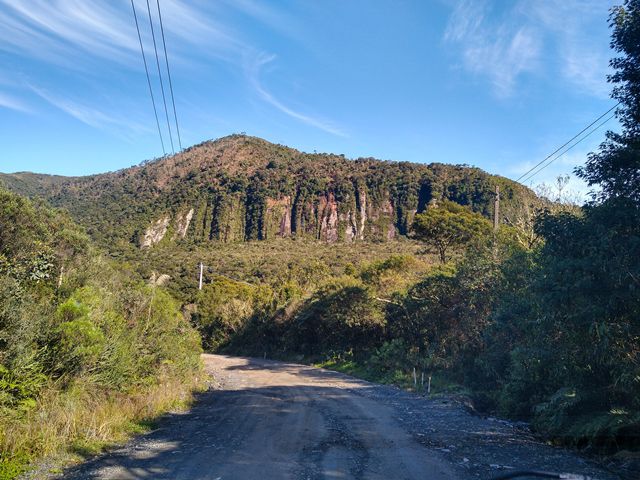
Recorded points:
(271, 420)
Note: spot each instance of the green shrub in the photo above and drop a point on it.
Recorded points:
(341, 315)
(81, 354)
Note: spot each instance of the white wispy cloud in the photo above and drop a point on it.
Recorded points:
(501, 52)
(198, 33)
(63, 32)
(89, 115)
(584, 62)
(504, 46)
(253, 68)
(13, 103)
(89, 37)
(59, 32)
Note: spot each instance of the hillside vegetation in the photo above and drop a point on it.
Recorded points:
(242, 188)
(86, 350)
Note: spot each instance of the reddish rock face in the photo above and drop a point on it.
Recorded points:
(319, 218)
(278, 217)
(285, 224)
(329, 219)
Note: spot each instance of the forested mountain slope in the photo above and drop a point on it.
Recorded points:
(241, 188)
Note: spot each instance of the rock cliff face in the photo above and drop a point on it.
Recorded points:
(233, 218)
(182, 224)
(156, 232)
(241, 188)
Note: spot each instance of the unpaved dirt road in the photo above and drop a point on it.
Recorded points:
(272, 420)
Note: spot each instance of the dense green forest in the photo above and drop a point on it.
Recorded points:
(87, 352)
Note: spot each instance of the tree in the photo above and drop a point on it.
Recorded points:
(342, 315)
(449, 225)
(577, 363)
(225, 306)
(616, 167)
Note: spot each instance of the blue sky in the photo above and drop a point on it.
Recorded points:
(496, 84)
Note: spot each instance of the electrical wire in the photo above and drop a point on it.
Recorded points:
(164, 100)
(146, 69)
(166, 59)
(533, 174)
(567, 143)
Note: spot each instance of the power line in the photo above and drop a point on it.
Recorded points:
(529, 177)
(166, 59)
(164, 100)
(146, 69)
(567, 143)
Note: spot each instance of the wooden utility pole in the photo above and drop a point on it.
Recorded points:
(201, 270)
(496, 209)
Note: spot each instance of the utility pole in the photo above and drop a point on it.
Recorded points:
(60, 276)
(496, 209)
(201, 270)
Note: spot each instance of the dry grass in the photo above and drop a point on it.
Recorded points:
(82, 421)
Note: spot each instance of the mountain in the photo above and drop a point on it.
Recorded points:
(242, 188)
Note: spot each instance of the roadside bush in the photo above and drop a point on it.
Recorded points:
(85, 349)
(225, 307)
(341, 315)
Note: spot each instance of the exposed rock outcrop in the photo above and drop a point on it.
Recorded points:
(158, 279)
(182, 224)
(155, 232)
(329, 222)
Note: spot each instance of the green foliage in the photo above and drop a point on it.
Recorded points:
(94, 328)
(36, 243)
(225, 307)
(376, 272)
(19, 387)
(448, 226)
(12, 467)
(79, 343)
(341, 315)
(391, 359)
